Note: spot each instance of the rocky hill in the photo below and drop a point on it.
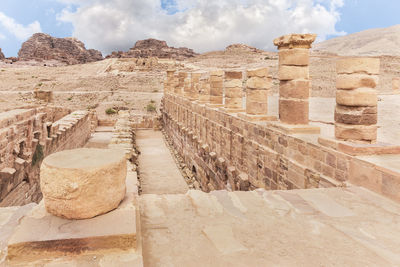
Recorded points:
(68, 50)
(154, 48)
(373, 42)
(2, 55)
(242, 48)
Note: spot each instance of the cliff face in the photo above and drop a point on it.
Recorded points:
(2, 55)
(154, 48)
(69, 50)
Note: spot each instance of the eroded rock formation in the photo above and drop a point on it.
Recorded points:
(154, 48)
(69, 50)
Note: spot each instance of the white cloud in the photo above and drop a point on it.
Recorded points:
(2, 37)
(203, 25)
(20, 31)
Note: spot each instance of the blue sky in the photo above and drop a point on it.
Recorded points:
(90, 23)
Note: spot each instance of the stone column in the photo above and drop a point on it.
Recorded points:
(168, 83)
(187, 87)
(195, 79)
(396, 84)
(356, 99)
(294, 78)
(216, 88)
(181, 83)
(204, 89)
(233, 91)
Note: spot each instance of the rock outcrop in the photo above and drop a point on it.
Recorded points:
(242, 48)
(68, 50)
(154, 48)
(2, 55)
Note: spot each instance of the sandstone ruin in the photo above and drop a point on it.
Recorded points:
(193, 163)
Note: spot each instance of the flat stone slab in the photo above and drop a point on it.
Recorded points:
(312, 227)
(295, 129)
(42, 235)
(250, 117)
(355, 149)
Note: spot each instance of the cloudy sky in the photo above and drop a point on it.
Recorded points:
(204, 25)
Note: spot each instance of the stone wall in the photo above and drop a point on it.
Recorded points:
(227, 152)
(27, 136)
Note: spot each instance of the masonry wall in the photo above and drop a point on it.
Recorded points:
(226, 152)
(27, 136)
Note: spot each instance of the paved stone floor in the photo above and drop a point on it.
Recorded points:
(315, 227)
(158, 171)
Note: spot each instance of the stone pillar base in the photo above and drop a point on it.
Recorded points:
(296, 128)
(359, 149)
(250, 117)
(211, 105)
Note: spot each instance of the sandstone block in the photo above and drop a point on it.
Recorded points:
(218, 84)
(233, 102)
(258, 83)
(233, 75)
(366, 133)
(295, 89)
(295, 41)
(358, 65)
(358, 97)
(216, 91)
(356, 115)
(263, 72)
(233, 92)
(294, 57)
(216, 79)
(233, 83)
(353, 81)
(257, 96)
(256, 108)
(293, 72)
(217, 73)
(83, 183)
(216, 99)
(293, 111)
(396, 84)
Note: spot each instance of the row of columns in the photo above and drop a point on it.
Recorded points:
(356, 97)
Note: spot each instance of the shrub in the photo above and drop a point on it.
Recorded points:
(110, 111)
(151, 107)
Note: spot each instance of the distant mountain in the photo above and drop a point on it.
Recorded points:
(69, 50)
(373, 42)
(154, 48)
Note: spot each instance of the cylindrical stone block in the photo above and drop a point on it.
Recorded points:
(204, 90)
(356, 99)
(195, 79)
(83, 183)
(233, 89)
(187, 87)
(181, 83)
(293, 72)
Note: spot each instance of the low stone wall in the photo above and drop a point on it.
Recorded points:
(227, 152)
(27, 136)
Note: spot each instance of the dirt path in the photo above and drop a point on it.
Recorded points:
(158, 171)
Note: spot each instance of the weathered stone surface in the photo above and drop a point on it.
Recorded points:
(358, 65)
(256, 108)
(233, 83)
(257, 95)
(233, 102)
(356, 115)
(358, 97)
(295, 41)
(396, 84)
(69, 50)
(233, 75)
(294, 57)
(216, 99)
(216, 91)
(263, 72)
(1, 55)
(83, 183)
(353, 81)
(258, 83)
(366, 133)
(219, 73)
(293, 111)
(233, 92)
(295, 89)
(154, 48)
(293, 72)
